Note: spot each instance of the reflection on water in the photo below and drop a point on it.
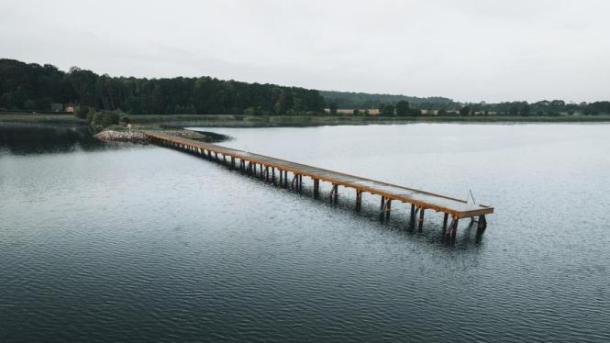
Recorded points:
(27, 139)
(148, 244)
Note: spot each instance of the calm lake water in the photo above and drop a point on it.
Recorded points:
(141, 243)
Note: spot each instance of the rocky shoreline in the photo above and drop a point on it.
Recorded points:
(138, 136)
(122, 136)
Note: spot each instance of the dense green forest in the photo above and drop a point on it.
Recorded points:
(34, 87)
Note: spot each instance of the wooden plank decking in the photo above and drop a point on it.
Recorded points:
(420, 200)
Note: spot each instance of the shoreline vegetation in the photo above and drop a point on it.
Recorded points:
(151, 121)
(128, 128)
(120, 108)
(31, 87)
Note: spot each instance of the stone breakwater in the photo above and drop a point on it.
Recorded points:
(122, 136)
(137, 136)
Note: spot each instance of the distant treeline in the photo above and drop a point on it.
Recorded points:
(540, 108)
(391, 105)
(363, 101)
(34, 87)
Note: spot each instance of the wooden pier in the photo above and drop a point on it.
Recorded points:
(289, 174)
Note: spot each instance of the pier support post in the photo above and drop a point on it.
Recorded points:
(388, 209)
(445, 218)
(420, 223)
(334, 196)
(454, 231)
(294, 182)
(382, 208)
(316, 188)
(447, 233)
(481, 225)
(412, 217)
(451, 233)
(358, 200)
(273, 175)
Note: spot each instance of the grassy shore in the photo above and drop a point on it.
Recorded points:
(164, 121)
(41, 118)
(273, 121)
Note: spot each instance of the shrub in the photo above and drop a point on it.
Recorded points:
(101, 120)
(82, 111)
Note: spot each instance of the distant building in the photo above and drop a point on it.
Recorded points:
(69, 108)
(340, 111)
(344, 111)
(347, 111)
(429, 112)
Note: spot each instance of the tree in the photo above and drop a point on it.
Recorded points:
(403, 108)
(525, 109)
(387, 110)
(333, 108)
(100, 120)
(464, 111)
(82, 111)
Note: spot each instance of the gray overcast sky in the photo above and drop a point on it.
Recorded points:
(468, 50)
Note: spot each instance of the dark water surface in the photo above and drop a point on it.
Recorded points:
(148, 244)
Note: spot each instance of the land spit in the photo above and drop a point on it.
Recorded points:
(138, 136)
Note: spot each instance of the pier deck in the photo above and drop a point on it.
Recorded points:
(251, 162)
